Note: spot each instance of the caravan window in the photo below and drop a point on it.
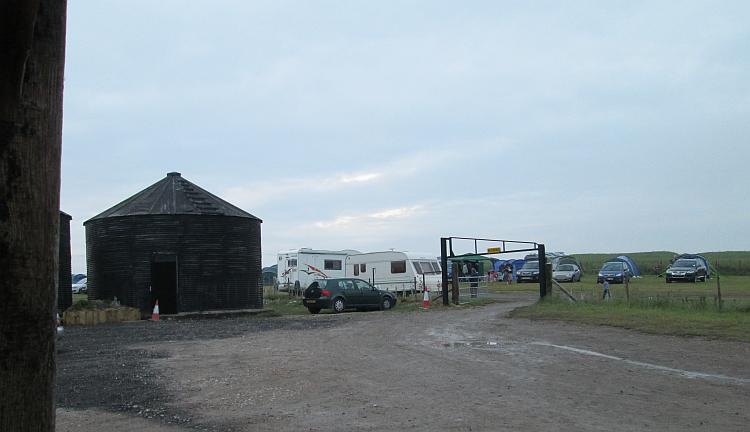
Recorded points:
(356, 269)
(417, 267)
(291, 263)
(363, 268)
(426, 267)
(332, 264)
(398, 267)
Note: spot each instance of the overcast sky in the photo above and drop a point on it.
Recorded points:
(588, 126)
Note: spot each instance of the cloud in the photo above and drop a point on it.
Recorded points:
(256, 194)
(360, 178)
(396, 213)
(363, 221)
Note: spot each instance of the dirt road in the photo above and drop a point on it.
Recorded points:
(467, 370)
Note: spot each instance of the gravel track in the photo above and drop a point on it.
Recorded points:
(469, 369)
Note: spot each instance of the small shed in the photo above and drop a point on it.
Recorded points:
(176, 243)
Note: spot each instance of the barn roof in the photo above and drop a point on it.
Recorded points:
(170, 196)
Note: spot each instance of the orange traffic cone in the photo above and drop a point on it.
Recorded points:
(426, 299)
(155, 313)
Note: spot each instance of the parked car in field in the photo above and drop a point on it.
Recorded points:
(614, 272)
(345, 293)
(567, 273)
(80, 287)
(529, 272)
(690, 270)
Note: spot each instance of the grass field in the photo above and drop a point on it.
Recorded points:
(649, 286)
(657, 318)
(684, 309)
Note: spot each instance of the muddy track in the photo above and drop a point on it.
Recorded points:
(456, 370)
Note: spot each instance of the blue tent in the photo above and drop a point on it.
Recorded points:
(629, 261)
(514, 263)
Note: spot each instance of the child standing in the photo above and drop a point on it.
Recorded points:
(606, 294)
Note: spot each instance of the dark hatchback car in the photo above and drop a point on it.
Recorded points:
(614, 272)
(529, 272)
(346, 293)
(689, 270)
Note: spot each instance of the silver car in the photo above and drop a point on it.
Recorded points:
(80, 286)
(567, 273)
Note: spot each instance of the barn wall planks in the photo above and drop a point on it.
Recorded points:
(218, 259)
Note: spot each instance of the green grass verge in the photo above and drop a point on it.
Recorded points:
(657, 317)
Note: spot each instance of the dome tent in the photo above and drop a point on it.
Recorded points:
(629, 261)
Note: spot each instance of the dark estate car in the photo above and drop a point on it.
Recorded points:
(345, 293)
(529, 272)
(614, 272)
(683, 269)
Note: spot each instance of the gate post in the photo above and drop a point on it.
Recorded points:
(454, 284)
(444, 267)
(542, 271)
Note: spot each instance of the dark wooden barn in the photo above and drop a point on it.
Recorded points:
(64, 283)
(177, 243)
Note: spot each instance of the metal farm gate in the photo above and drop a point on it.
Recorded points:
(461, 282)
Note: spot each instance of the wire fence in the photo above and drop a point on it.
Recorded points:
(731, 292)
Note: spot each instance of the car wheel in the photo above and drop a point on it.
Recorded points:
(387, 303)
(313, 310)
(338, 305)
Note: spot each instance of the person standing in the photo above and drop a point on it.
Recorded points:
(508, 274)
(474, 281)
(605, 293)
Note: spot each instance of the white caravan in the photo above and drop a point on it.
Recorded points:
(299, 267)
(396, 271)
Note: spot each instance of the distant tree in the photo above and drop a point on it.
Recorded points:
(32, 58)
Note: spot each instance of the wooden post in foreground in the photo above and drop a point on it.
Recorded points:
(32, 46)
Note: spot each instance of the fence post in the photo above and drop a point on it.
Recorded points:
(548, 278)
(541, 253)
(627, 289)
(718, 288)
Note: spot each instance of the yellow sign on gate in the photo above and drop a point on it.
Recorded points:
(492, 250)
